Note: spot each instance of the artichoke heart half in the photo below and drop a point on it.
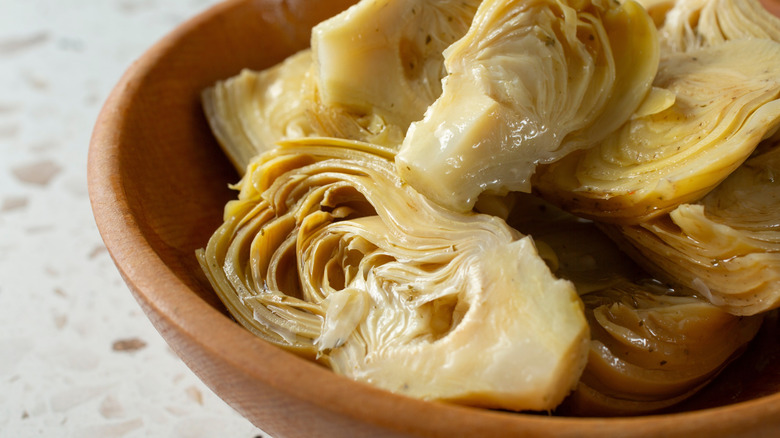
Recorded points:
(653, 347)
(530, 82)
(726, 246)
(721, 102)
(327, 253)
(379, 64)
(250, 112)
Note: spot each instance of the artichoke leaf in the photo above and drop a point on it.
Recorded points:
(653, 347)
(726, 246)
(693, 24)
(251, 111)
(530, 82)
(727, 100)
(328, 253)
(379, 64)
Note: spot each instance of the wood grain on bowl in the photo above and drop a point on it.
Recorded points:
(158, 184)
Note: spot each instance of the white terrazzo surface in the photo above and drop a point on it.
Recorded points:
(77, 356)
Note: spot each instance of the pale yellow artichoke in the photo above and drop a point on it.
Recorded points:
(250, 112)
(379, 64)
(726, 246)
(371, 260)
(373, 70)
(530, 82)
(717, 104)
(653, 347)
(327, 253)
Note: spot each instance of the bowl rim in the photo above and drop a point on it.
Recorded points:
(161, 294)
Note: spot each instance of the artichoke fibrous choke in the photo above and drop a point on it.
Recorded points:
(326, 252)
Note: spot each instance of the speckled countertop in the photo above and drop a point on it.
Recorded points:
(78, 358)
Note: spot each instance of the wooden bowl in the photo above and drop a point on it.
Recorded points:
(158, 184)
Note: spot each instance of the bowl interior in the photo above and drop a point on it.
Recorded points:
(158, 183)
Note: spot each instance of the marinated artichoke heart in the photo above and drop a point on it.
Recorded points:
(250, 112)
(652, 348)
(379, 64)
(721, 102)
(692, 24)
(726, 246)
(530, 82)
(327, 253)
